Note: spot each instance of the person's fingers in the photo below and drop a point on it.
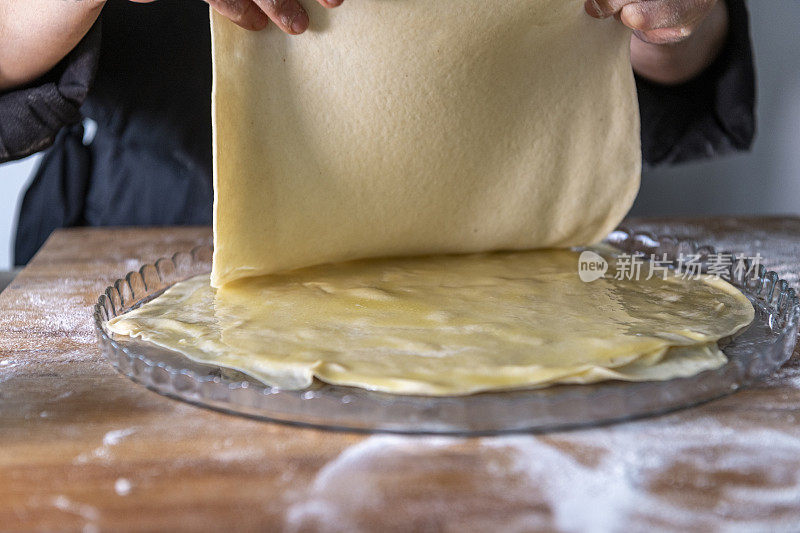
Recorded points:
(682, 15)
(289, 15)
(243, 12)
(655, 21)
(601, 9)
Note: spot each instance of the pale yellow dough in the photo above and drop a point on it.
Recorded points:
(447, 325)
(400, 127)
(413, 127)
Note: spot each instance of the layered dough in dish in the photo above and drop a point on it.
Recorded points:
(447, 325)
(410, 127)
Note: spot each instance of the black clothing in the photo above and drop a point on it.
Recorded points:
(150, 160)
(143, 73)
(713, 114)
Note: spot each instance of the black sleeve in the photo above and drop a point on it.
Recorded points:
(31, 116)
(711, 115)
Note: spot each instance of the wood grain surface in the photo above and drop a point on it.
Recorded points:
(83, 448)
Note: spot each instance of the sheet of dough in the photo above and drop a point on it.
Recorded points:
(401, 127)
(446, 325)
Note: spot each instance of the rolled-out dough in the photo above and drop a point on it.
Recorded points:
(447, 325)
(403, 127)
(400, 127)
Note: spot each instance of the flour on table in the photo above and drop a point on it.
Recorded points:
(103, 453)
(122, 486)
(598, 480)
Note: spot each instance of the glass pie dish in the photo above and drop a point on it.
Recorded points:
(753, 353)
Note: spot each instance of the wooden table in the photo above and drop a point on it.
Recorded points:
(83, 448)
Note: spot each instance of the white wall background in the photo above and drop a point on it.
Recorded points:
(764, 181)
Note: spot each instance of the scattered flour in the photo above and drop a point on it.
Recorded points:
(83, 510)
(112, 438)
(122, 486)
(103, 453)
(606, 479)
(339, 488)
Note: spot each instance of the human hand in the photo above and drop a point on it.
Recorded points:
(674, 40)
(288, 15)
(655, 21)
